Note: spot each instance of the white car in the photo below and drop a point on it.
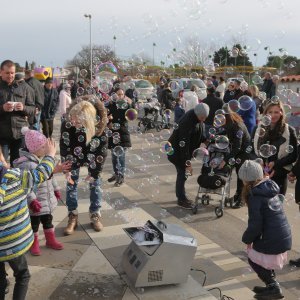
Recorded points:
(144, 89)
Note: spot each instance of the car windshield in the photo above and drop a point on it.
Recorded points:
(141, 84)
(188, 84)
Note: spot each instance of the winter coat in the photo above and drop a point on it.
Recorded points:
(12, 122)
(118, 113)
(167, 98)
(249, 117)
(267, 87)
(192, 133)
(16, 235)
(268, 229)
(178, 113)
(50, 105)
(214, 104)
(296, 172)
(44, 192)
(65, 101)
(38, 91)
(93, 154)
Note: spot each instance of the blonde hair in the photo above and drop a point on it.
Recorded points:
(254, 90)
(85, 113)
(247, 188)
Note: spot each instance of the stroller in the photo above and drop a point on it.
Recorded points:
(214, 180)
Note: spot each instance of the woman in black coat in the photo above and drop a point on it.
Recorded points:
(119, 136)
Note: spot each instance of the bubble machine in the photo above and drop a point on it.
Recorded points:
(159, 254)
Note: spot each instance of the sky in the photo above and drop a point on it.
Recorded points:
(51, 32)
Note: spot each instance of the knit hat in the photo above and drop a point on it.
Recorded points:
(201, 110)
(34, 140)
(251, 171)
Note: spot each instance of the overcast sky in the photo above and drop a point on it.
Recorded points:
(50, 32)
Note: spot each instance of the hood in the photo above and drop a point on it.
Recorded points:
(266, 188)
(24, 157)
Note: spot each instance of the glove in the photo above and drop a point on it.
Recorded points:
(35, 206)
(58, 195)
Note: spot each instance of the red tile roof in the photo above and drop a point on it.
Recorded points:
(290, 78)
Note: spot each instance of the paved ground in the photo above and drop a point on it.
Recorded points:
(89, 266)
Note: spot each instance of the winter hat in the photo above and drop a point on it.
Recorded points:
(201, 110)
(251, 171)
(34, 140)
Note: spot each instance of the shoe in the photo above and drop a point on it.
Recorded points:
(72, 224)
(51, 241)
(95, 222)
(120, 181)
(259, 289)
(237, 204)
(273, 291)
(112, 178)
(187, 204)
(295, 262)
(35, 248)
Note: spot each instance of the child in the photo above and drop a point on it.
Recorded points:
(268, 235)
(43, 198)
(178, 110)
(15, 229)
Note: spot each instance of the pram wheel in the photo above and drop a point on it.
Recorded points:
(219, 212)
(205, 200)
(158, 128)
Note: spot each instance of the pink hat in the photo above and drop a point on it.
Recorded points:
(34, 140)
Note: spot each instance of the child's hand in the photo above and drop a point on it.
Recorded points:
(62, 167)
(50, 148)
(69, 178)
(35, 206)
(58, 195)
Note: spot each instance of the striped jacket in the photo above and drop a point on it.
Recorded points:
(16, 235)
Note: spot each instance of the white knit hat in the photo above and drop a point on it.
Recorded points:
(201, 110)
(251, 171)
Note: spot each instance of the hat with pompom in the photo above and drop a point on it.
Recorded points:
(34, 140)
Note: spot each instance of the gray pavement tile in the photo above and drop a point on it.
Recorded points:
(114, 256)
(86, 286)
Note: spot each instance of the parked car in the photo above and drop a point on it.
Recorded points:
(241, 79)
(144, 89)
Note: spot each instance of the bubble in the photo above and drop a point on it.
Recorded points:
(239, 134)
(83, 73)
(246, 102)
(80, 91)
(118, 151)
(105, 85)
(219, 121)
(222, 141)
(109, 133)
(67, 142)
(238, 161)
(231, 161)
(220, 112)
(92, 165)
(65, 135)
(249, 149)
(68, 125)
(165, 134)
(234, 105)
(106, 70)
(168, 112)
(275, 203)
(80, 138)
(218, 183)
(260, 132)
(226, 108)
(266, 120)
(287, 109)
(175, 126)
(131, 114)
(116, 126)
(77, 150)
(181, 143)
(174, 85)
(188, 163)
(91, 157)
(99, 159)
(289, 149)
(81, 156)
(165, 147)
(256, 79)
(267, 150)
(200, 153)
(116, 141)
(212, 131)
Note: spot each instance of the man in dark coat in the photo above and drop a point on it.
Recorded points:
(268, 85)
(16, 107)
(183, 141)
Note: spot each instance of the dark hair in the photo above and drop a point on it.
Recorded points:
(211, 89)
(48, 80)
(214, 77)
(7, 63)
(221, 79)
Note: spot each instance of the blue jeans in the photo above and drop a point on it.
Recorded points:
(180, 182)
(95, 193)
(118, 163)
(37, 125)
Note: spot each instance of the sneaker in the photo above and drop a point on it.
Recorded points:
(112, 178)
(119, 181)
(295, 262)
(95, 222)
(187, 204)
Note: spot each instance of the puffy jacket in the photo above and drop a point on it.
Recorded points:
(12, 122)
(50, 105)
(44, 192)
(268, 230)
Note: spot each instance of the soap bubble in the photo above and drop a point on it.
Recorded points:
(220, 112)
(131, 114)
(267, 150)
(182, 143)
(65, 135)
(77, 150)
(174, 85)
(219, 121)
(246, 102)
(266, 120)
(260, 132)
(165, 147)
(99, 159)
(231, 161)
(238, 161)
(222, 141)
(275, 203)
(116, 126)
(80, 138)
(83, 73)
(199, 153)
(234, 105)
(188, 163)
(212, 131)
(289, 149)
(218, 183)
(118, 151)
(68, 125)
(249, 149)
(105, 85)
(256, 79)
(239, 134)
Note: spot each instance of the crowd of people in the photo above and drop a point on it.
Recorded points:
(93, 122)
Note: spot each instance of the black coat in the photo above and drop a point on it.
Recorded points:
(296, 172)
(214, 104)
(268, 87)
(11, 123)
(167, 98)
(50, 105)
(268, 230)
(192, 133)
(118, 115)
(38, 91)
(234, 94)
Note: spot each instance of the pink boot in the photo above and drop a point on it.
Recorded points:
(35, 248)
(51, 242)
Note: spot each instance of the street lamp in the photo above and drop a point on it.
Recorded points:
(154, 45)
(114, 38)
(91, 49)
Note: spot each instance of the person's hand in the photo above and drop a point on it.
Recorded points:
(62, 167)
(270, 165)
(35, 206)
(271, 174)
(50, 148)
(222, 164)
(8, 106)
(19, 106)
(69, 178)
(58, 195)
(291, 177)
(189, 170)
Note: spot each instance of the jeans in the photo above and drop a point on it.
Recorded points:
(11, 148)
(118, 163)
(21, 274)
(47, 128)
(180, 181)
(95, 193)
(37, 126)
(267, 276)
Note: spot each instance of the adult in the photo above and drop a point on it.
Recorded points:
(65, 99)
(214, 104)
(238, 92)
(184, 140)
(16, 107)
(283, 137)
(38, 88)
(119, 140)
(50, 107)
(160, 89)
(220, 90)
(167, 97)
(83, 142)
(275, 80)
(229, 93)
(214, 81)
(267, 86)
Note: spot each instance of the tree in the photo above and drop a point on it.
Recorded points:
(26, 65)
(287, 65)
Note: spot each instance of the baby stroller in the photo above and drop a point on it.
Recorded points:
(214, 180)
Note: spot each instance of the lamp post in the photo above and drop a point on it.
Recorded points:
(91, 49)
(154, 45)
(114, 38)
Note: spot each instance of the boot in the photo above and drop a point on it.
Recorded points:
(72, 224)
(51, 241)
(119, 181)
(95, 221)
(112, 178)
(35, 248)
(273, 291)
